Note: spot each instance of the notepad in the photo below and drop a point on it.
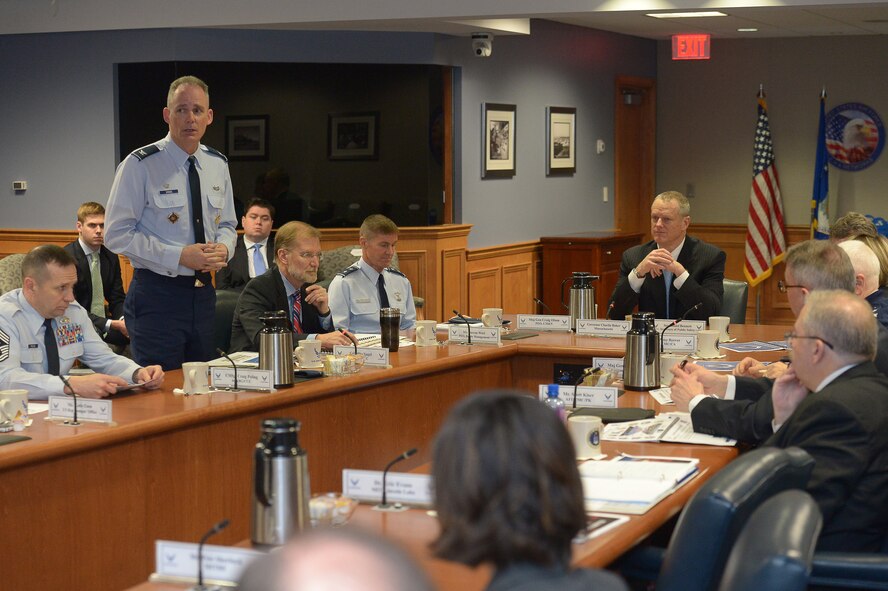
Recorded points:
(633, 484)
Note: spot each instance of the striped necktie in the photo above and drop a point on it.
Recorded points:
(297, 312)
(97, 305)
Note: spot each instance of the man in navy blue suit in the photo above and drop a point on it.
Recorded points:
(254, 251)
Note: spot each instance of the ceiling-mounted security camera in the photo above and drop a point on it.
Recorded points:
(482, 44)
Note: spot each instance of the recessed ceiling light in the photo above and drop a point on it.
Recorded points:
(747, 30)
(685, 14)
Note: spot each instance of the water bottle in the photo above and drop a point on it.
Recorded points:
(555, 403)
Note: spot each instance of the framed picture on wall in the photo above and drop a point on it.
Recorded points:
(246, 137)
(561, 145)
(497, 140)
(353, 136)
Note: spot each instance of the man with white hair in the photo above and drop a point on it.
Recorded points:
(866, 277)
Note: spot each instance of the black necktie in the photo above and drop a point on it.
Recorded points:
(197, 213)
(383, 297)
(52, 348)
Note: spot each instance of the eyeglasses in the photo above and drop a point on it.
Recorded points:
(311, 255)
(791, 335)
(782, 286)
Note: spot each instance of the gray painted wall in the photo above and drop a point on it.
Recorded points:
(59, 127)
(707, 115)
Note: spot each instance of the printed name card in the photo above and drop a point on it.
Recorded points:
(247, 378)
(593, 396)
(680, 343)
(378, 356)
(611, 364)
(603, 328)
(683, 327)
(95, 410)
(400, 487)
(544, 322)
(481, 335)
(177, 562)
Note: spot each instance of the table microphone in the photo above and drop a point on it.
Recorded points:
(583, 374)
(468, 326)
(610, 307)
(543, 305)
(74, 422)
(231, 361)
(674, 322)
(384, 506)
(212, 532)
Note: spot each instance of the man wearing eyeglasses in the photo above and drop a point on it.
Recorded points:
(289, 286)
(833, 403)
(740, 406)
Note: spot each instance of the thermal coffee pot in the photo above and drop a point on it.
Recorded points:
(641, 367)
(276, 347)
(280, 484)
(582, 297)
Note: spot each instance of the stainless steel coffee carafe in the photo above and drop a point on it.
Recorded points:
(641, 367)
(582, 297)
(280, 483)
(276, 347)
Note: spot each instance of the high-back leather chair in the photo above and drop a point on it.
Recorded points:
(851, 570)
(713, 518)
(734, 300)
(226, 303)
(775, 548)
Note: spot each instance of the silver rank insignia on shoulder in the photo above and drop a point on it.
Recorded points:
(173, 218)
(217, 219)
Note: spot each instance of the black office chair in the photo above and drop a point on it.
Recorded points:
(851, 570)
(734, 300)
(775, 548)
(226, 303)
(713, 518)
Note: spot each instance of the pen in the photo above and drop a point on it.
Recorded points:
(683, 362)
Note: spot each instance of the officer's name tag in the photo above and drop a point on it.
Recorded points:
(602, 328)
(372, 355)
(95, 410)
(544, 322)
(400, 487)
(683, 327)
(593, 396)
(611, 364)
(481, 335)
(177, 562)
(680, 343)
(247, 379)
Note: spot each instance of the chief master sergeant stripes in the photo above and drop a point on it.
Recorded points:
(171, 211)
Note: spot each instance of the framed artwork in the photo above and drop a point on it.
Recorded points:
(353, 136)
(497, 140)
(561, 145)
(246, 137)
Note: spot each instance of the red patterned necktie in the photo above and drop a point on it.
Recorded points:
(297, 312)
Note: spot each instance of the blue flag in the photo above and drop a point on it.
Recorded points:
(819, 212)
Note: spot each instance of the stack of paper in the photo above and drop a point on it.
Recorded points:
(630, 484)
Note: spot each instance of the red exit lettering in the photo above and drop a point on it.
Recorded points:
(690, 47)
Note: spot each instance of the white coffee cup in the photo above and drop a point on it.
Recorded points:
(12, 403)
(426, 333)
(667, 362)
(491, 317)
(308, 354)
(707, 344)
(585, 432)
(721, 324)
(195, 377)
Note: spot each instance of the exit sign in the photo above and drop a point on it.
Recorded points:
(690, 47)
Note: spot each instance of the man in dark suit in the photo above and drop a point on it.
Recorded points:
(254, 251)
(91, 291)
(289, 286)
(692, 270)
(833, 403)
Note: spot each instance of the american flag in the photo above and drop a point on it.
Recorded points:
(766, 230)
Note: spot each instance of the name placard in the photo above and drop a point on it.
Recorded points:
(222, 565)
(611, 364)
(680, 343)
(548, 322)
(247, 378)
(378, 356)
(593, 396)
(683, 327)
(400, 487)
(95, 410)
(481, 335)
(603, 328)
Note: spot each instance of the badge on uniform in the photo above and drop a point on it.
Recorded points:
(68, 332)
(397, 296)
(217, 188)
(173, 218)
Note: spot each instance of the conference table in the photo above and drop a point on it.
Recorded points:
(83, 506)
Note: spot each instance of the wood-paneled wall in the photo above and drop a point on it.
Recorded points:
(507, 277)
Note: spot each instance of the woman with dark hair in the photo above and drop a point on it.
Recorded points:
(508, 492)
